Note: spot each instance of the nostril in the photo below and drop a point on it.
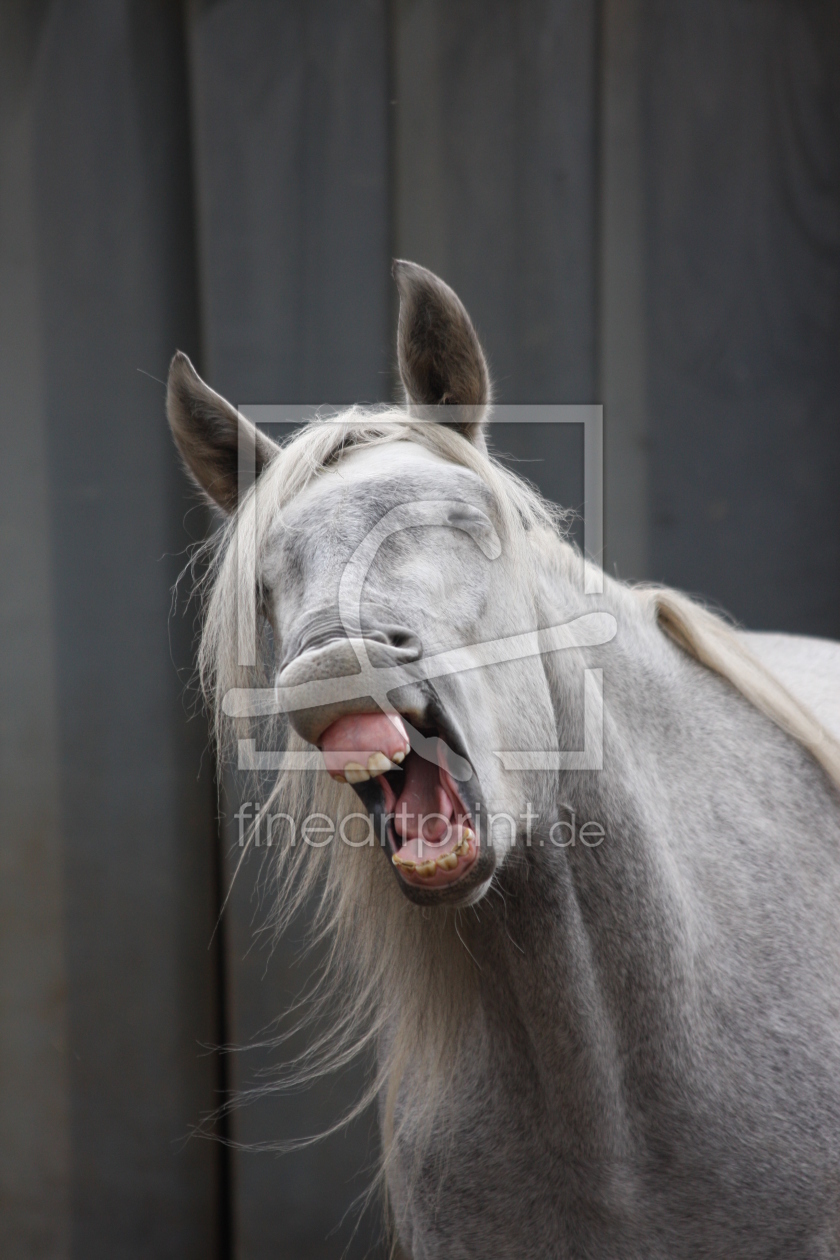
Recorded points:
(400, 637)
(392, 645)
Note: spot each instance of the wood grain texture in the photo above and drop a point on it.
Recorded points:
(742, 122)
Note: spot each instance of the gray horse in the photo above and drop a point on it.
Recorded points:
(578, 855)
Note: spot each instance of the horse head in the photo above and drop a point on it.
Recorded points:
(395, 565)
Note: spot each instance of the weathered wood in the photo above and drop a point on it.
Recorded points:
(742, 125)
(117, 838)
(291, 142)
(622, 352)
(495, 179)
(35, 1104)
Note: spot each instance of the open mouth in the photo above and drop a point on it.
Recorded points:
(421, 810)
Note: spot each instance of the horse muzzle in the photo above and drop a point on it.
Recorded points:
(336, 661)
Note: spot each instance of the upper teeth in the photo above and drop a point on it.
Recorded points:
(378, 763)
(355, 773)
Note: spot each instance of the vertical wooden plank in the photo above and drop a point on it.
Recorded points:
(621, 274)
(495, 178)
(291, 124)
(290, 105)
(113, 267)
(34, 1072)
(742, 116)
(495, 182)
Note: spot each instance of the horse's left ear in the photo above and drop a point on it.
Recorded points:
(440, 357)
(211, 435)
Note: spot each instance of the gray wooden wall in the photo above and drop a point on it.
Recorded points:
(639, 201)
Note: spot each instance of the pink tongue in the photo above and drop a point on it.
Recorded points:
(424, 807)
(360, 736)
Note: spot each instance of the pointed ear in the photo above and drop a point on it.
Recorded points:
(440, 357)
(208, 432)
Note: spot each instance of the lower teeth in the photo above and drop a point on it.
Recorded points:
(447, 862)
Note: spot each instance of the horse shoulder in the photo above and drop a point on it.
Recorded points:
(809, 668)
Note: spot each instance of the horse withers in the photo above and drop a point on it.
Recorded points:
(581, 872)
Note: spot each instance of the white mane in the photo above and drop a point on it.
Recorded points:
(712, 642)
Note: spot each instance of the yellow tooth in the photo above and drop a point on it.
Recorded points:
(378, 763)
(339, 778)
(449, 861)
(469, 835)
(404, 862)
(355, 773)
(426, 868)
(399, 757)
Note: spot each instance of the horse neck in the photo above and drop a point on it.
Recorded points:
(546, 1010)
(578, 938)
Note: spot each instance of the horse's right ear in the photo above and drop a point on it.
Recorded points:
(210, 435)
(441, 362)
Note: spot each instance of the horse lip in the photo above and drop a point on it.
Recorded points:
(460, 893)
(373, 798)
